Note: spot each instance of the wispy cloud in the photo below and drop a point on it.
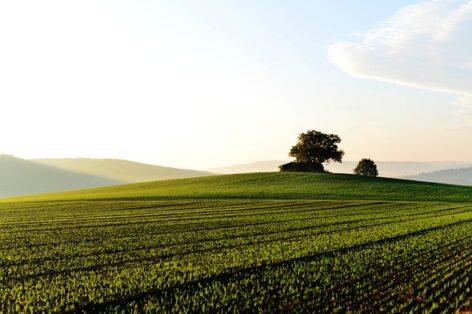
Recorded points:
(463, 109)
(427, 45)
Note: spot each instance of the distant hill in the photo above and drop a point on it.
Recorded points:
(257, 166)
(391, 169)
(395, 169)
(19, 176)
(280, 185)
(462, 176)
(121, 170)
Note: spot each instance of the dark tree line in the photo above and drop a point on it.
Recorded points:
(315, 148)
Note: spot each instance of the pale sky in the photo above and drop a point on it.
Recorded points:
(201, 84)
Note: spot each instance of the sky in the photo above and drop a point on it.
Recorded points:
(202, 84)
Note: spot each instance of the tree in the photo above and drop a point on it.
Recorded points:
(317, 148)
(366, 167)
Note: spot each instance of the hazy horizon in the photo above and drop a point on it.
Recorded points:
(332, 166)
(212, 84)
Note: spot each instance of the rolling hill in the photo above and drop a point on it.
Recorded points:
(392, 169)
(461, 176)
(275, 186)
(121, 170)
(19, 176)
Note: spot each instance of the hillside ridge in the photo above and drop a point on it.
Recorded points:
(22, 177)
(461, 176)
(122, 170)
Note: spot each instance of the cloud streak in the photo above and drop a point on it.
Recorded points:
(427, 45)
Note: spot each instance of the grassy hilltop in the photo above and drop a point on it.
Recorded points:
(272, 242)
(274, 186)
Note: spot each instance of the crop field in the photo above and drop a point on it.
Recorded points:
(228, 255)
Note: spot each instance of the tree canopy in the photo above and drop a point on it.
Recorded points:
(366, 167)
(317, 147)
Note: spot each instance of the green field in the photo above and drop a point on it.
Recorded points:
(273, 186)
(259, 242)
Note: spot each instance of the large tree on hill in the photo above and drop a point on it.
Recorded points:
(366, 167)
(317, 148)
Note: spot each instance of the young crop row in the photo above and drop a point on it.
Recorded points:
(224, 255)
(398, 275)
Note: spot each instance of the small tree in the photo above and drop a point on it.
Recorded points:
(366, 167)
(317, 148)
